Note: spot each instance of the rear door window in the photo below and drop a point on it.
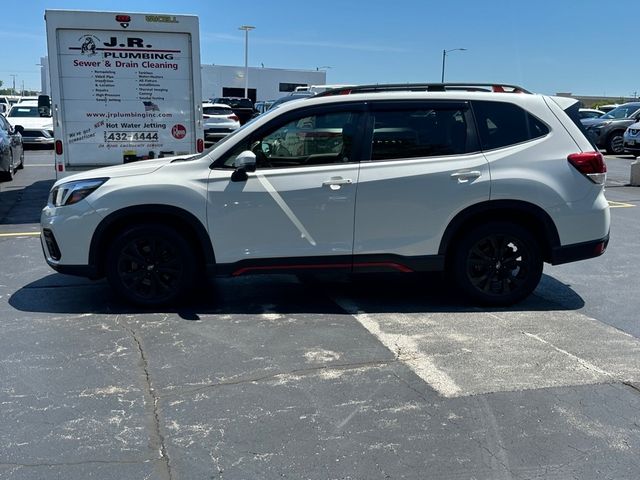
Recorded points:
(413, 130)
(502, 124)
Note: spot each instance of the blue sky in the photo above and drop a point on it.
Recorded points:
(582, 46)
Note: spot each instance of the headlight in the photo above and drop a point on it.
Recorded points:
(72, 192)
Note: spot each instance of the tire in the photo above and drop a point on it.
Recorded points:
(11, 170)
(615, 143)
(151, 265)
(498, 263)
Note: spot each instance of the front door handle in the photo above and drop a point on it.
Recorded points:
(334, 183)
(466, 175)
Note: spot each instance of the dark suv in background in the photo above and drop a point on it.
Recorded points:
(242, 107)
(607, 131)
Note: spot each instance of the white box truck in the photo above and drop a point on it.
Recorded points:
(124, 87)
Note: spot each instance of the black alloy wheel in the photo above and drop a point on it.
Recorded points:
(615, 144)
(498, 264)
(151, 265)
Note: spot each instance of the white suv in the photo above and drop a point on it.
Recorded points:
(484, 182)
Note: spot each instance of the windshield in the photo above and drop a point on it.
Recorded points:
(18, 111)
(623, 111)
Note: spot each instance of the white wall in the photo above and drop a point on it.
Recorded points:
(266, 81)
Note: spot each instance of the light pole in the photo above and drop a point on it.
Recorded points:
(444, 55)
(246, 29)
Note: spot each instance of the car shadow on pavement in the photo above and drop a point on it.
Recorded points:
(23, 205)
(285, 294)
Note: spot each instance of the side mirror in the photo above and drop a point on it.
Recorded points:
(244, 162)
(19, 129)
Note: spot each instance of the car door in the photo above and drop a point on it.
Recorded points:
(297, 208)
(422, 166)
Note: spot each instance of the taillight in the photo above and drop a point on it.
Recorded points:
(58, 147)
(234, 117)
(200, 145)
(590, 164)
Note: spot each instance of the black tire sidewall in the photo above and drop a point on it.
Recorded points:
(460, 258)
(610, 148)
(183, 248)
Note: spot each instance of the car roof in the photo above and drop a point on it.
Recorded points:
(219, 105)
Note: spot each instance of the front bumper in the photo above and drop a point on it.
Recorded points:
(66, 237)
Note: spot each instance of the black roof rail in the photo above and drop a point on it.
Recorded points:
(425, 87)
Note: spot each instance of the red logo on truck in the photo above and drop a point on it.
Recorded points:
(178, 131)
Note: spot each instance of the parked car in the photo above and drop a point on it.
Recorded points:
(632, 140)
(483, 185)
(11, 151)
(242, 107)
(607, 108)
(607, 131)
(589, 113)
(218, 121)
(262, 107)
(291, 97)
(4, 105)
(37, 124)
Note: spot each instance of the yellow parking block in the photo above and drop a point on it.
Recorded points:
(620, 204)
(20, 234)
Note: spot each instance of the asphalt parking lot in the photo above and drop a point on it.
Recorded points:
(279, 377)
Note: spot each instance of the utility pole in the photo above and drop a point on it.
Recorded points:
(14, 83)
(247, 29)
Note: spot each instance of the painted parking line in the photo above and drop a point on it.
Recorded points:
(620, 204)
(476, 352)
(20, 234)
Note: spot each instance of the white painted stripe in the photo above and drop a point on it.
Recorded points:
(51, 165)
(581, 361)
(406, 350)
(285, 208)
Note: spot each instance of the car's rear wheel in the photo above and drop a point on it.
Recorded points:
(615, 143)
(498, 263)
(151, 265)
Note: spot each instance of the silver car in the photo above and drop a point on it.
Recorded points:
(631, 140)
(11, 151)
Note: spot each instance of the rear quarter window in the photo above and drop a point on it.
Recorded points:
(502, 124)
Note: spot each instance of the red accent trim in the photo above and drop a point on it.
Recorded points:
(395, 266)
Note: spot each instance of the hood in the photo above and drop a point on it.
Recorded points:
(44, 123)
(589, 122)
(143, 167)
(594, 122)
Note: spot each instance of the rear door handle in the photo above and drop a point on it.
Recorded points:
(466, 175)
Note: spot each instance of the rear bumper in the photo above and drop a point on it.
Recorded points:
(579, 251)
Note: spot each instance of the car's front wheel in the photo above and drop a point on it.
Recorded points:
(497, 263)
(615, 143)
(151, 265)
